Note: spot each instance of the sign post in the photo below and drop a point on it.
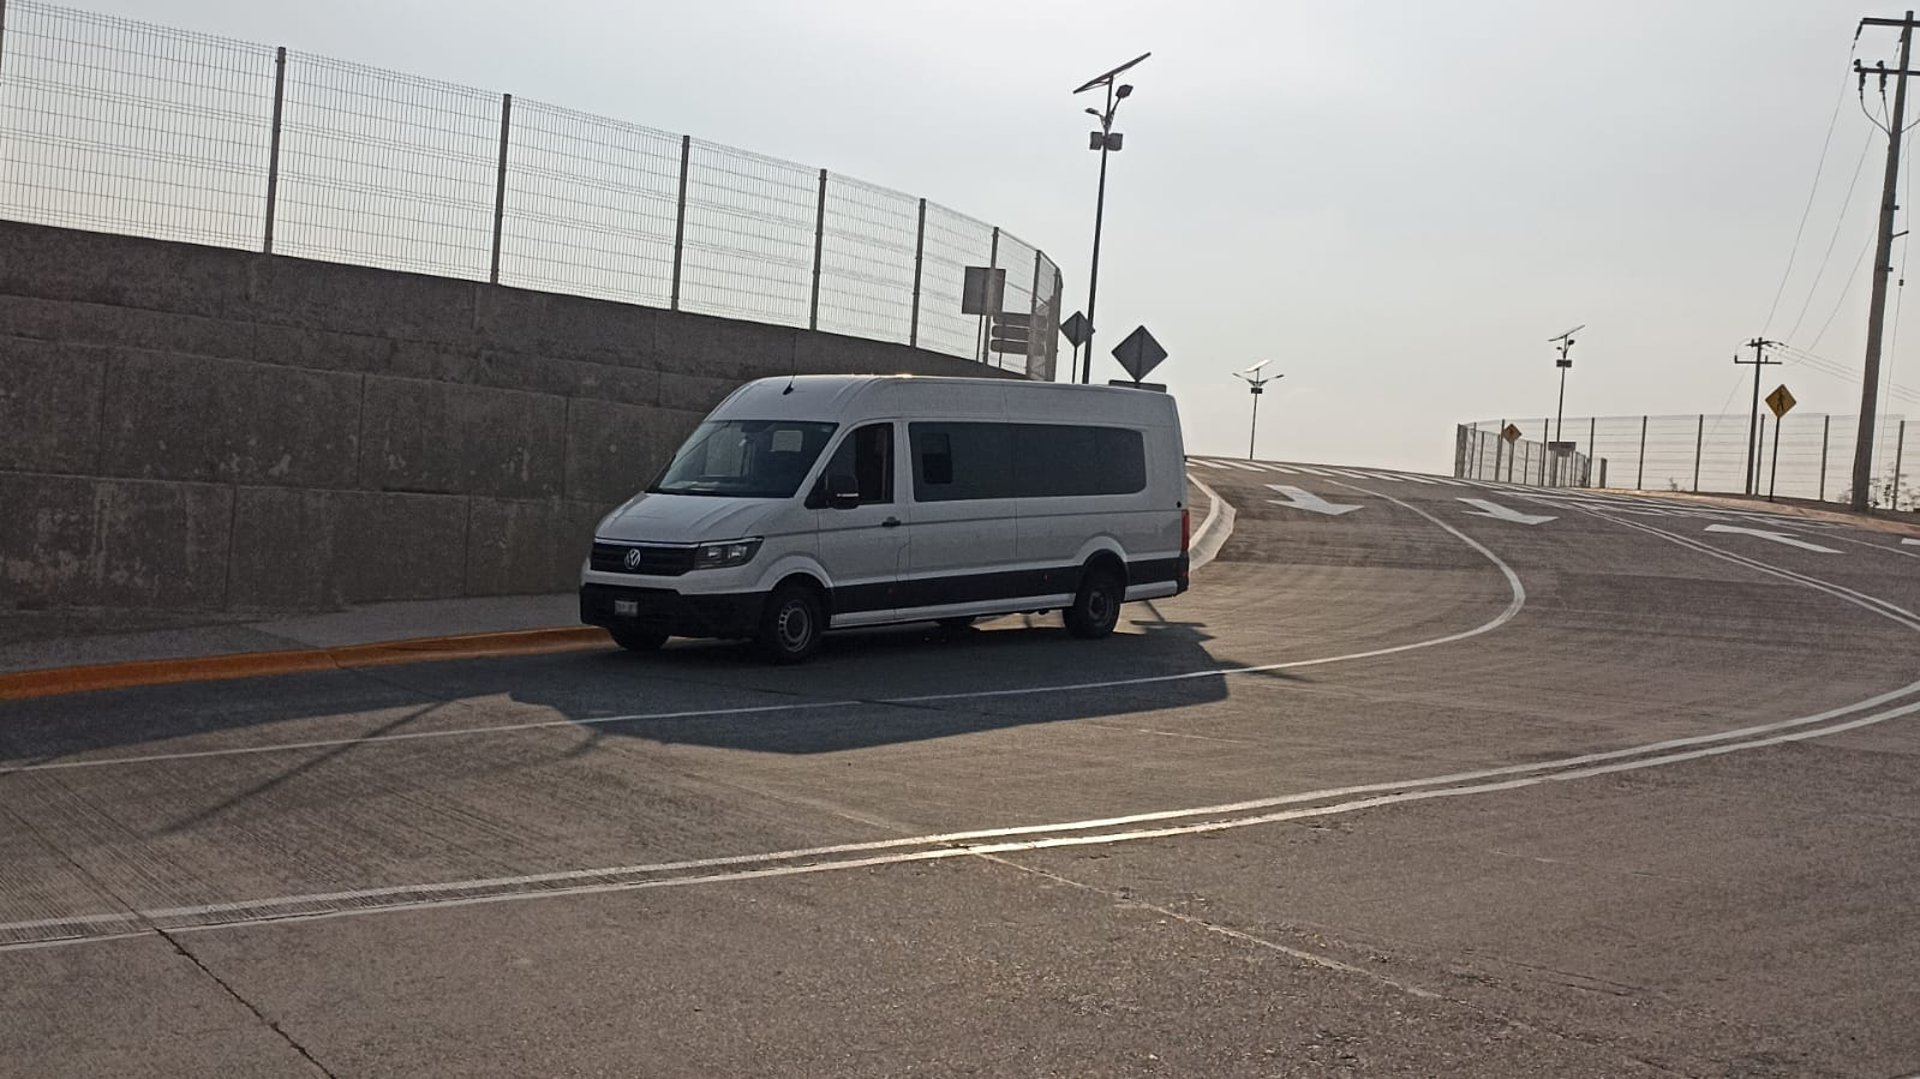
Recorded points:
(1781, 402)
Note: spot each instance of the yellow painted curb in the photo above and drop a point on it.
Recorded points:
(24, 685)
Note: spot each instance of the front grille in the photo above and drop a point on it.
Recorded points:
(655, 560)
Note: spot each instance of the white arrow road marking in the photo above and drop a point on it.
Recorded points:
(1306, 500)
(1777, 537)
(1498, 512)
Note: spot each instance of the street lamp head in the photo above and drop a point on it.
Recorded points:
(1124, 90)
(1093, 112)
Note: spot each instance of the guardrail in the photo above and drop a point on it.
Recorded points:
(119, 126)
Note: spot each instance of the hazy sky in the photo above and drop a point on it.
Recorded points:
(1398, 203)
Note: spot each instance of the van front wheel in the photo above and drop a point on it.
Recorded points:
(791, 624)
(1096, 608)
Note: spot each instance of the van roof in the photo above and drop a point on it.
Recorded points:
(851, 397)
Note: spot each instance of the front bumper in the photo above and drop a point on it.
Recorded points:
(663, 610)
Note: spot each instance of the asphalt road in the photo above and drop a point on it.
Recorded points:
(1416, 788)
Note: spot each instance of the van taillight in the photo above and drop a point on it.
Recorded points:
(1186, 529)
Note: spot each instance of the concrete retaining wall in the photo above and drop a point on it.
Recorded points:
(195, 428)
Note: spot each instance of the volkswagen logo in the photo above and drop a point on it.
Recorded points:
(633, 559)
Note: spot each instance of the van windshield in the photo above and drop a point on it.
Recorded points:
(745, 459)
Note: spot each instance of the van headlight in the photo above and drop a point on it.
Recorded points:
(722, 555)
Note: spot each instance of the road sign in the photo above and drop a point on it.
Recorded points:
(1139, 353)
(1077, 329)
(1511, 434)
(982, 292)
(1010, 333)
(1781, 402)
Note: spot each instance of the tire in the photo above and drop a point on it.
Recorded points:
(1096, 608)
(955, 625)
(638, 640)
(791, 624)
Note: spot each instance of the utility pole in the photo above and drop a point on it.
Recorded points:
(1883, 254)
(1759, 346)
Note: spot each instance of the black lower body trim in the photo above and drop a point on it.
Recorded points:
(662, 610)
(988, 587)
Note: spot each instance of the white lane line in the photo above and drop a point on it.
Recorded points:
(1527, 775)
(1881, 607)
(1310, 470)
(1407, 477)
(1285, 470)
(1444, 481)
(292, 904)
(1517, 600)
(1242, 465)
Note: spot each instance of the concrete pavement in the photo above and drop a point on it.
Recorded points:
(1409, 790)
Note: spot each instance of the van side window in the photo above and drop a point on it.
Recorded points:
(866, 454)
(954, 462)
(1058, 461)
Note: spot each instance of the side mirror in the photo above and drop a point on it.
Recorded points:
(843, 491)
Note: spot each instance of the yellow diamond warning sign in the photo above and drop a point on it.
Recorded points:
(1781, 402)
(1511, 434)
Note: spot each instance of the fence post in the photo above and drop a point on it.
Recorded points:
(919, 261)
(1826, 427)
(1499, 444)
(1899, 450)
(1640, 481)
(1593, 438)
(3, 32)
(500, 186)
(1033, 312)
(680, 222)
(273, 145)
(819, 242)
(1699, 444)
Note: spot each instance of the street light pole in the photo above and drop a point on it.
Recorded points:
(1105, 140)
(1251, 376)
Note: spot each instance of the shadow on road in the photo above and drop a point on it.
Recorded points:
(879, 687)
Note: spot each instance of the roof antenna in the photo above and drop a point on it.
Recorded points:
(793, 372)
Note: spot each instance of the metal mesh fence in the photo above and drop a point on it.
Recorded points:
(590, 205)
(113, 125)
(386, 170)
(1804, 456)
(119, 126)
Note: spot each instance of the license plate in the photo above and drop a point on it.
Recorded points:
(626, 608)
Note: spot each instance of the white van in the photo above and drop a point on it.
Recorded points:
(829, 501)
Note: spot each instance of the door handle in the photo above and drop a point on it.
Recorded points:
(891, 522)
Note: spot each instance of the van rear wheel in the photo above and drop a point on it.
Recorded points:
(1096, 608)
(791, 624)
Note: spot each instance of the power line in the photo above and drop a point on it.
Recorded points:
(1841, 300)
(1818, 171)
(1839, 224)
